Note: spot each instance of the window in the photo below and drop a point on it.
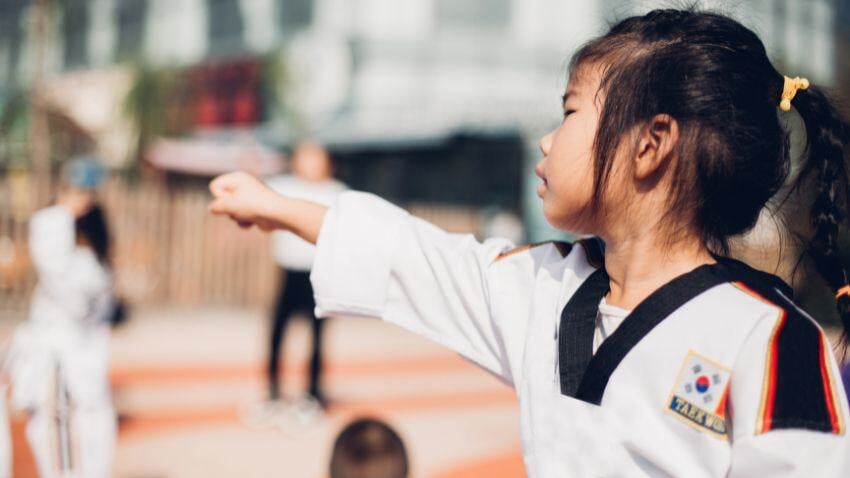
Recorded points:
(294, 15)
(75, 24)
(11, 38)
(474, 13)
(225, 28)
(467, 169)
(131, 16)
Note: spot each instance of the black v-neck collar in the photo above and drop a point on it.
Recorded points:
(583, 374)
(575, 332)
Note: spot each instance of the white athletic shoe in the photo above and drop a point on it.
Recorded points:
(307, 410)
(263, 413)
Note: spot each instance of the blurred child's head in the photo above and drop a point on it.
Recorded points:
(312, 162)
(368, 448)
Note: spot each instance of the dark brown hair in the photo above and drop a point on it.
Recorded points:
(369, 448)
(93, 228)
(713, 76)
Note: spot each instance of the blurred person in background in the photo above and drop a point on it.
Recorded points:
(369, 448)
(311, 179)
(59, 358)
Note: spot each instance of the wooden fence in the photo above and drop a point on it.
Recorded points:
(167, 248)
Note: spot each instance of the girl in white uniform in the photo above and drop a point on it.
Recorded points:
(644, 352)
(66, 339)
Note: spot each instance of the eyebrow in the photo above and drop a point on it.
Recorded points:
(566, 95)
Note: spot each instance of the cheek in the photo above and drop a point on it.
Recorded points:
(569, 173)
(571, 164)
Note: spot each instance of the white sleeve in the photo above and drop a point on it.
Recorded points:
(785, 372)
(374, 259)
(52, 241)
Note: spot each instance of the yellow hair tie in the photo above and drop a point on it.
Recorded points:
(790, 90)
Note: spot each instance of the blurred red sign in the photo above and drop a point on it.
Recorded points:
(227, 93)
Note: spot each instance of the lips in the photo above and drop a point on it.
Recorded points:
(541, 189)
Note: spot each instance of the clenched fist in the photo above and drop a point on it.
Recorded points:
(249, 202)
(246, 199)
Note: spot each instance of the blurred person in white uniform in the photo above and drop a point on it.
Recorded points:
(312, 179)
(61, 353)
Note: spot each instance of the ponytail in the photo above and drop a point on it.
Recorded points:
(828, 136)
(92, 227)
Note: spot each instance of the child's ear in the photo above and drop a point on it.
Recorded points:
(656, 144)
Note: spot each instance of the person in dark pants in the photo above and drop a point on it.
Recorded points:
(296, 296)
(312, 179)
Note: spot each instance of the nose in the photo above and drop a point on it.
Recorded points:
(546, 143)
(545, 146)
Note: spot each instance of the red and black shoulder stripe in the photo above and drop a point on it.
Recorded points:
(799, 389)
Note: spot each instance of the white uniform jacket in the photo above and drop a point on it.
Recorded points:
(715, 374)
(68, 321)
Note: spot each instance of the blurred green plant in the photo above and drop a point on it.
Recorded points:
(275, 81)
(14, 132)
(154, 105)
(65, 136)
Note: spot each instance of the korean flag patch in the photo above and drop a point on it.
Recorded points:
(699, 396)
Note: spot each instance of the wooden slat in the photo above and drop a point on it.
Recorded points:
(167, 248)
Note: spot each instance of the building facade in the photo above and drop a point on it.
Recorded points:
(387, 77)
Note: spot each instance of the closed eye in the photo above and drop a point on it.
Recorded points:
(568, 112)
